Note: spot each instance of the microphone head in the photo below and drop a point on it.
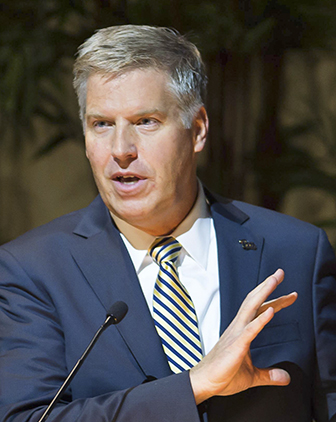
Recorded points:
(116, 313)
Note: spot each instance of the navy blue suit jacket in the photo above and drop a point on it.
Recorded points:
(57, 282)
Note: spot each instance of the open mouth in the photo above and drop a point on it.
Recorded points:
(127, 180)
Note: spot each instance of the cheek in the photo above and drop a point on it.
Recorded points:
(182, 155)
(98, 155)
(172, 166)
(163, 159)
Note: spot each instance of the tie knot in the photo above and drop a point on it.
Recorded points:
(165, 249)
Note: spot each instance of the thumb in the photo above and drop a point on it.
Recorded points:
(272, 376)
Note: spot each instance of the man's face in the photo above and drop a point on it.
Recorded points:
(143, 159)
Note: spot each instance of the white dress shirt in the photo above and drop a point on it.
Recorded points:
(197, 265)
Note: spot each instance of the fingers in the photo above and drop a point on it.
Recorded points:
(265, 313)
(251, 330)
(228, 368)
(264, 289)
(279, 303)
(253, 301)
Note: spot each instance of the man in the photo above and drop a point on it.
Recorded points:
(189, 350)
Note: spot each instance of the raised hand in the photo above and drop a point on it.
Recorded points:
(227, 369)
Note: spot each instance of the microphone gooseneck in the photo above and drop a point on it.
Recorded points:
(114, 315)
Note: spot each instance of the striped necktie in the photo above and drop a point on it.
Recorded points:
(173, 310)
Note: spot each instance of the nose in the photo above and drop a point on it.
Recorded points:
(123, 148)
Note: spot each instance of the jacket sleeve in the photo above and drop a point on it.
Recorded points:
(324, 301)
(32, 366)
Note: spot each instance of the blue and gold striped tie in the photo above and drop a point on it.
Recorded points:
(173, 310)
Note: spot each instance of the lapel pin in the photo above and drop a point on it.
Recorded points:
(247, 245)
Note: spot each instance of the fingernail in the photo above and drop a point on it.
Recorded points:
(279, 273)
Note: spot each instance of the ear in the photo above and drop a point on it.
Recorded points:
(200, 129)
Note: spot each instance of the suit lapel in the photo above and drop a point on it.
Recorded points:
(102, 257)
(238, 267)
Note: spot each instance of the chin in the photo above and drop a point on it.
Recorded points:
(131, 213)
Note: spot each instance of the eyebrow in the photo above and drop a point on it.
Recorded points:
(95, 116)
(138, 114)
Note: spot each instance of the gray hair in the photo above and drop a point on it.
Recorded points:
(118, 49)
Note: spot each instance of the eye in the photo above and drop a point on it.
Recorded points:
(101, 124)
(147, 122)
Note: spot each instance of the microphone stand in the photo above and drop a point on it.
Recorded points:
(116, 313)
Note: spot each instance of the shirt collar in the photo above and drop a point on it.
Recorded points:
(193, 233)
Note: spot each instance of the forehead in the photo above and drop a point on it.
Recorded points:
(140, 88)
(144, 79)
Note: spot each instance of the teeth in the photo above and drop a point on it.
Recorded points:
(129, 180)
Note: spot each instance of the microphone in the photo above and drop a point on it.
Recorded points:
(114, 315)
